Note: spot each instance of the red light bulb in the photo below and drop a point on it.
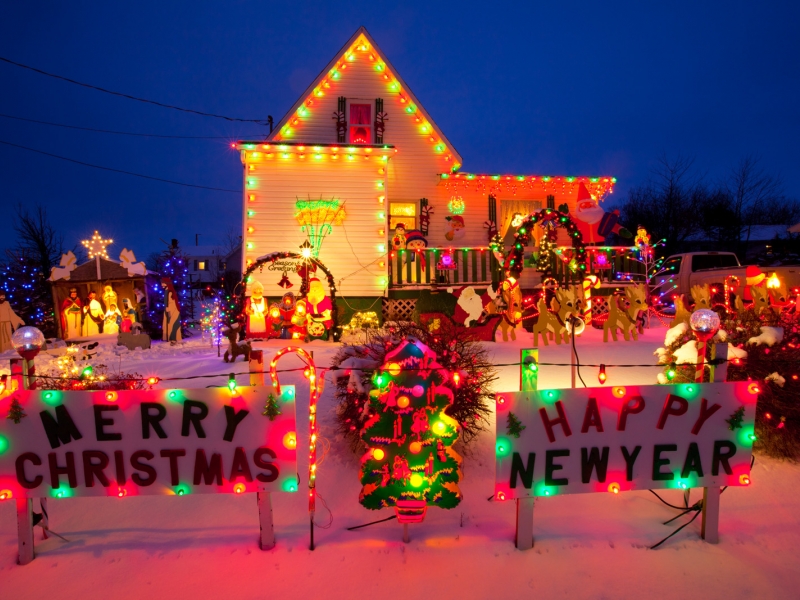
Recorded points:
(601, 376)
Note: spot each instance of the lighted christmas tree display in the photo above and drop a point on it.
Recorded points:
(409, 460)
(28, 292)
(175, 265)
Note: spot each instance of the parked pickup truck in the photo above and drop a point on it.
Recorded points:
(681, 271)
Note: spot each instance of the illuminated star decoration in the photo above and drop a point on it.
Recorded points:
(97, 246)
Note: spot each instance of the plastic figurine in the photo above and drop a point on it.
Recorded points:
(71, 315)
(457, 226)
(9, 321)
(399, 239)
(171, 323)
(94, 314)
(128, 315)
(112, 320)
(320, 309)
(256, 310)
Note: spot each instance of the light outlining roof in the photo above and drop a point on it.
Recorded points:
(598, 187)
(362, 42)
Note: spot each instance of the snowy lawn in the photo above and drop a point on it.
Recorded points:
(586, 546)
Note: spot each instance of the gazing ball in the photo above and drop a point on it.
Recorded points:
(704, 321)
(26, 339)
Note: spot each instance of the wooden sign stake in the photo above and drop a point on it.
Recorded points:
(267, 537)
(25, 530)
(528, 382)
(709, 530)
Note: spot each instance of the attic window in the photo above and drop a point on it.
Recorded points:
(360, 123)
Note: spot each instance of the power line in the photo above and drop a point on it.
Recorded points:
(85, 164)
(267, 121)
(155, 135)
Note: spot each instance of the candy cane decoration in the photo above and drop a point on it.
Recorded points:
(316, 391)
(731, 283)
(589, 282)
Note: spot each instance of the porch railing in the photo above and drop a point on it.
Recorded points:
(619, 266)
(418, 268)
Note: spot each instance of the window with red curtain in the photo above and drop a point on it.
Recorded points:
(360, 123)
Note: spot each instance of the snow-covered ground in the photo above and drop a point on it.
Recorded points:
(586, 546)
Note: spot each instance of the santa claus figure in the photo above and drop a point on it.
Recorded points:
(94, 313)
(9, 321)
(754, 277)
(593, 222)
(71, 315)
(469, 307)
(256, 310)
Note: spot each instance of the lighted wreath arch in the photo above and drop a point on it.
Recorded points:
(272, 257)
(514, 260)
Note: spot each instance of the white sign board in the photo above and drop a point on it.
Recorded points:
(624, 438)
(127, 443)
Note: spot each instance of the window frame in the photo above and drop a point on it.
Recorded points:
(370, 126)
(405, 219)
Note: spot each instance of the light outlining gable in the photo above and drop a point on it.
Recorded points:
(361, 46)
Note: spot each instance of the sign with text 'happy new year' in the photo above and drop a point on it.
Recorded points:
(624, 438)
(127, 443)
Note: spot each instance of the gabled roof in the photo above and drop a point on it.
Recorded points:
(362, 46)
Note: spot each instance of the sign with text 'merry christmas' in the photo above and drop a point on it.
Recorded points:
(127, 443)
(624, 438)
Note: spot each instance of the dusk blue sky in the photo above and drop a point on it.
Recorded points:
(558, 88)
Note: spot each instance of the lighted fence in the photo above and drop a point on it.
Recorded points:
(447, 266)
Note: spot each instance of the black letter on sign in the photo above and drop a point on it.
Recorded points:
(518, 468)
(92, 469)
(549, 467)
(594, 460)
(69, 470)
(722, 457)
(153, 421)
(205, 471)
(119, 463)
(136, 463)
(240, 466)
(681, 408)
(633, 406)
(658, 462)
(194, 417)
(630, 459)
(562, 420)
(258, 459)
(22, 479)
(61, 428)
(592, 417)
(100, 423)
(233, 419)
(173, 455)
(692, 462)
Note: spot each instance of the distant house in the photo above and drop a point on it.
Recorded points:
(206, 263)
(760, 241)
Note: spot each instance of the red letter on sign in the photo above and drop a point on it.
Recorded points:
(705, 413)
(562, 420)
(681, 408)
(633, 406)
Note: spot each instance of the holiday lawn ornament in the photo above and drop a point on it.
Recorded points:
(642, 237)
(511, 295)
(621, 438)
(94, 314)
(587, 284)
(67, 264)
(754, 277)
(129, 316)
(171, 322)
(399, 237)
(320, 310)
(316, 386)
(456, 231)
(235, 347)
(779, 298)
(705, 324)
(112, 320)
(128, 260)
(701, 294)
(255, 307)
(409, 462)
(469, 306)
(109, 296)
(28, 341)
(627, 319)
(593, 222)
(565, 304)
(119, 443)
(549, 219)
(415, 246)
(71, 314)
(425, 216)
(456, 205)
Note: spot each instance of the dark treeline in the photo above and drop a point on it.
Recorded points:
(678, 203)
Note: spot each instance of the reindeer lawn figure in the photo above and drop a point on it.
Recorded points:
(636, 295)
(235, 347)
(779, 298)
(512, 315)
(701, 294)
(620, 319)
(566, 302)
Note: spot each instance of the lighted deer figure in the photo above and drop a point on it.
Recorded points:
(701, 295)
(778, 293)
(566, 302)
(512, 315)
(636, 296)
(682, 312)
(760, 298)
(620, 319)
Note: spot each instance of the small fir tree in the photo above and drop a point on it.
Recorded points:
(15, 412)
(514, 425)
(271, 408)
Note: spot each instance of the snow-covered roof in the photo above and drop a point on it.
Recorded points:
(758, 233)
